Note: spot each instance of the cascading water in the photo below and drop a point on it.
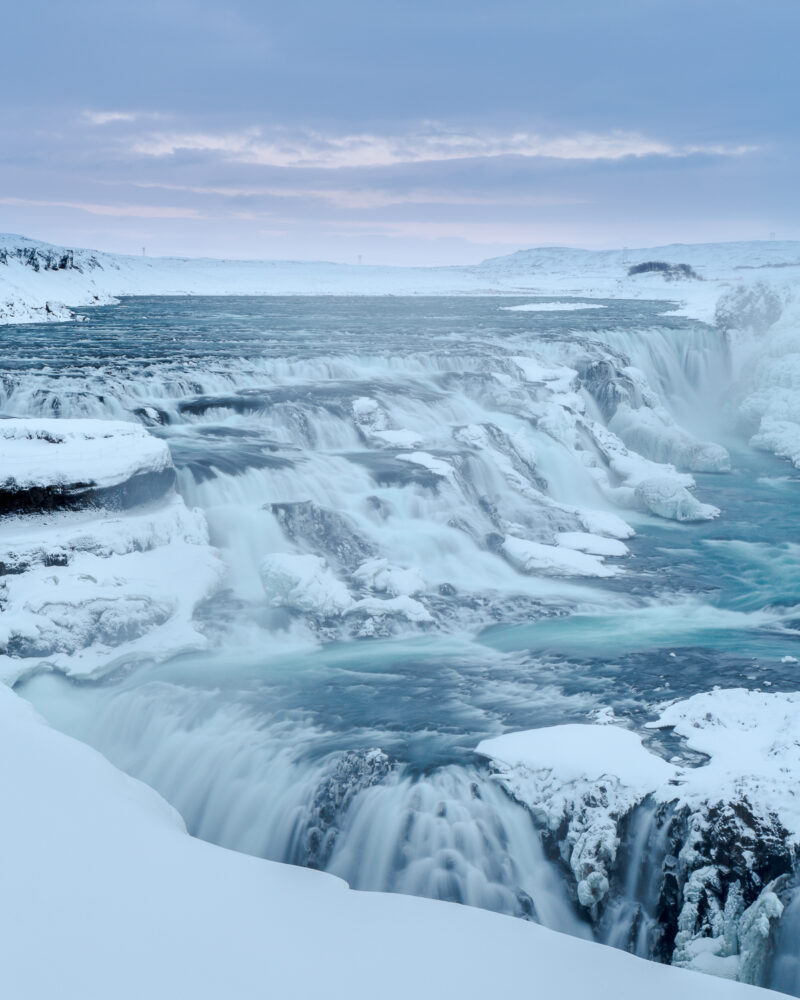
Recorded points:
(422, 507)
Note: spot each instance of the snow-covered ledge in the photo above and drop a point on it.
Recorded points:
(101, 562)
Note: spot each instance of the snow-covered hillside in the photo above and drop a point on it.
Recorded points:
(40, 282)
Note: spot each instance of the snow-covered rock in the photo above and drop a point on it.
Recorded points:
(100, 562)
(668, 499)
(46, 463)
(730, 826)
(555, 560)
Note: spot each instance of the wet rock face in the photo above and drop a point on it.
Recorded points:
(608, 386)
(719, 877)
(354, 771)
(323, 532)
(48, 260)
(76, 496)
(723, 876)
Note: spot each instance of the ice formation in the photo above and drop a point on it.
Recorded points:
(728, 827)
(102, 563)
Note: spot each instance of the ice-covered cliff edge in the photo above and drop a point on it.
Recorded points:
(111, 898)
(716, 838)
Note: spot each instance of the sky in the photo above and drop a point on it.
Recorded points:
(398, 132)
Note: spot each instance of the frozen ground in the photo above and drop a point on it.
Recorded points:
(43, 282)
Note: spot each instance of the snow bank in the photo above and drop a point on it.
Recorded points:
(111, 898)
(76, 453)
(553, 307)
(751, 739)
(582, 751)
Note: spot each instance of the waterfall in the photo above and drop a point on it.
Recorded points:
(410, 485)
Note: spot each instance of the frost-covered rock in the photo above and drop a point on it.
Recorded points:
(755, 307)
(579, 781)
(352, 772)
(668, 499)
(54, 464)
(729, 827)
(100, 563)
(304, 583)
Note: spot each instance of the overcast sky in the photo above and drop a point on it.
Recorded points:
(398, 130)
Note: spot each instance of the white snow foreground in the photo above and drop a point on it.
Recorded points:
(107, 896)
(95, 573)
(36, 278)
(583, 782)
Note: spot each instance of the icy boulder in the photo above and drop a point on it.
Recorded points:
(554, 560)
(755, 307)
(304, 583)
(50, 464)
(667, 498)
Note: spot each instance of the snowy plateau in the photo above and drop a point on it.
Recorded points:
(487, 492)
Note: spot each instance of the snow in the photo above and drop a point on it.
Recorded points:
(304, 583)
(752, 739)
(98, 590)
(111, 898)
(437, 466)
(553, 307)
(556, 560)
(583, 782)
(93, 278)
(63, 453)
(88, 591)
(582, 751)
(583, 541)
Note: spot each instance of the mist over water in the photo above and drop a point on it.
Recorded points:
(361, 464)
